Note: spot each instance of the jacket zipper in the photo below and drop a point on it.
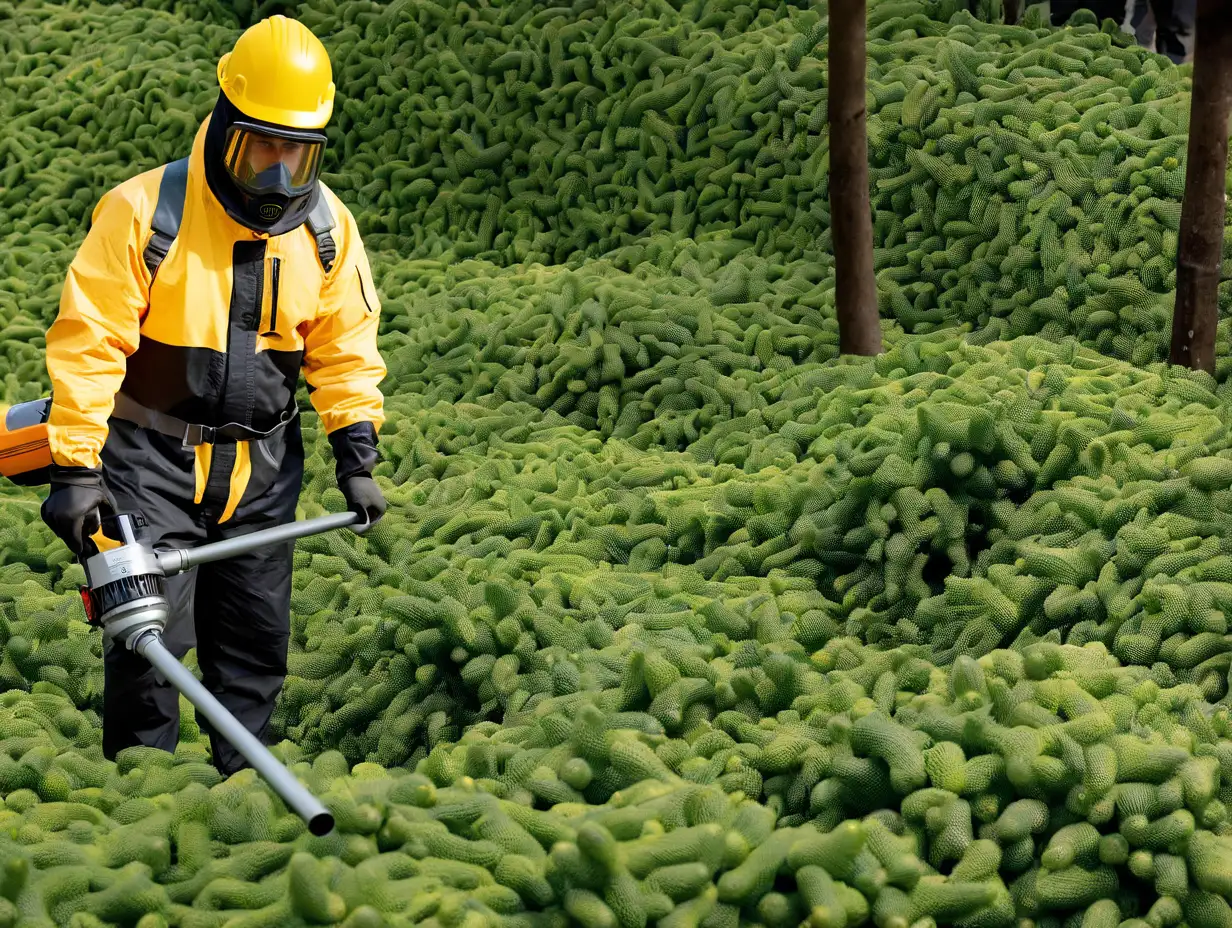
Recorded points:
(273, 326)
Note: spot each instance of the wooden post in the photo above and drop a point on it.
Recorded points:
(1013, 12)
(1200, 245)
(851, 220)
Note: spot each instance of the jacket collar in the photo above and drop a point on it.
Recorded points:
(200, 193)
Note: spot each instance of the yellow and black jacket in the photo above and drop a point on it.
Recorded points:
(218, 336)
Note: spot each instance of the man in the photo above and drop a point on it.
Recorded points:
(174, 362)
(1166, 24)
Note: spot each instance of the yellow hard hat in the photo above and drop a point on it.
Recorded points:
(279, 72)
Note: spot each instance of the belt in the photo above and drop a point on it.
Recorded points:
(189, 433)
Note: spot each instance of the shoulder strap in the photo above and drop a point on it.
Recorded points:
(170, 210)
(167, 214)
(320, 221)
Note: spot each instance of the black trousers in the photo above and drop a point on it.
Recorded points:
(1174, 21)
(235, 612)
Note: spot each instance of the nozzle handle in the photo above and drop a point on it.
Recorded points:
(177, 560)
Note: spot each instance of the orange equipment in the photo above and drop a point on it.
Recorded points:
(25, 454)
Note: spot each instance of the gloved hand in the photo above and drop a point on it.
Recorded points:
(71, 510)
(363, 496)
(355, 456)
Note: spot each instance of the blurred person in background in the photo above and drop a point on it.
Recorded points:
(1166, 26)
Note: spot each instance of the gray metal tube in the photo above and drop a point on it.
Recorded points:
(150, 646)
(177, 560)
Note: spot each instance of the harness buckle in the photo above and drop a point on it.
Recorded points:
(205, 435)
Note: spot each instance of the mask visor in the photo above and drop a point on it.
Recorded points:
(261, 161)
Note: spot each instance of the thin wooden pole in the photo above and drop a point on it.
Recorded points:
(851, 221)
(1200, 244)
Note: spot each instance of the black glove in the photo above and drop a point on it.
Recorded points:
(355, 455)
(71, 510)
(363, 496)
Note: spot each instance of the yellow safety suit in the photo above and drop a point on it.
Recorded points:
(203, 342)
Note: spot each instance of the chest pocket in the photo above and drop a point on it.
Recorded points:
(290, 298)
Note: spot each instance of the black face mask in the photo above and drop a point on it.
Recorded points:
(273, 212)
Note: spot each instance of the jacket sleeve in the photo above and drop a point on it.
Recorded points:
(342, 365)
(104, 299)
